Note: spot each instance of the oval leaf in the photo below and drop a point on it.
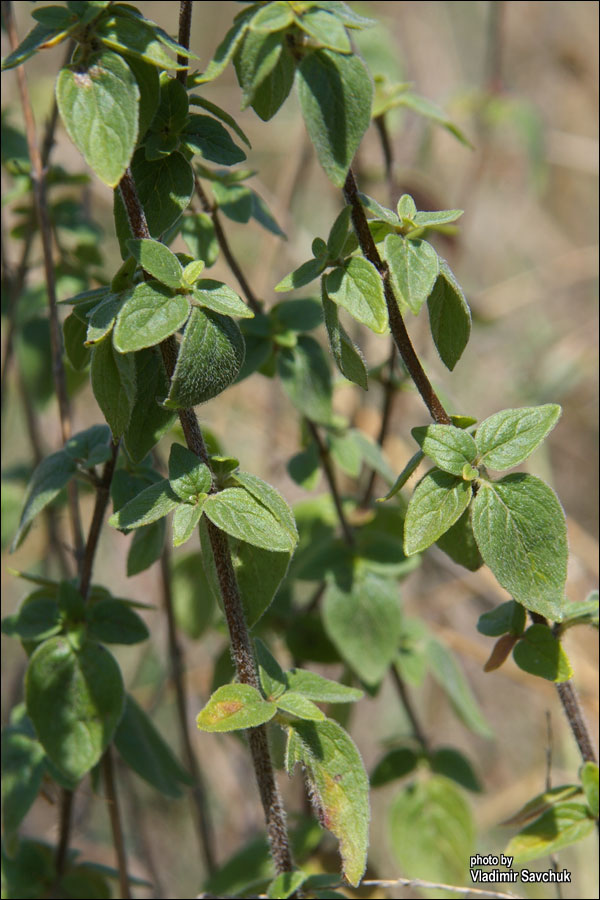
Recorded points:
(508, 437)
(438, 501)
(359, 289)
(150, 315)
(238, 513)
(414, 266)
(234, 707)
(539, 652)
(449, 447)
(158, 261)
(449, 316)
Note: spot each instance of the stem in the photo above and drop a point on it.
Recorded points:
(389, 392)
(330, 476)
(397, 326)
(251, 299)
(185, 25)
(38, 179)
(574, 713)
(409, 709)
(64, 831)
(102, 498)
(112, 805)
(203, 822)
(240, 639)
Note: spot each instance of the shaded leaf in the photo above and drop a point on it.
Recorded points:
(539, 652)
(438, 501)
(47, 481)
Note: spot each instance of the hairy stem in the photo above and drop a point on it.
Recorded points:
(574, 713)
(331, 481)
(112, 805)
(397, 326)
(102, 498)
(185, 25)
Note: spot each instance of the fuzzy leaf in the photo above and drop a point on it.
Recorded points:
(347, 355)
(151, 504)
(589, 780)
(540, 653)
(300, 706)
(460, 545)
(305, 375)
(509, 437)
(562, 825)
(185, 520)
(149, 421)
(320, 689)
(221, 299)
(438, 501)
(112, 621)
(358, 288)
(241, 515)
(235, 707)
(114, 384)
(158, 261)
(450, 448)
(326, 29)
(303, 275)
(47, 481)
(449, 317)
(151, 314)
(188, 475)
(206, 136)
(414, 266)
(508, 618)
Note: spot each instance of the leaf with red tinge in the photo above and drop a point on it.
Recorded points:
(234, 707)
(500, 653)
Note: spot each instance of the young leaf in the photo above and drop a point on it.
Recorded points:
(272, 17)
(336, 93)
(185, 519)
(450, 448)
(320, 689)
(188, 475)
(147, 753)
(224, 51)
(239, 514)
(112, 621)
(102, 317)
(414, 266)
(151, 314)
(520, 529)
(563, 824)
(395, 764)
(206, 136)
(539, 652)
(286, 884)
(255, 60)
(508, 618)
(305, 375)
(340, 785)
(273, 90)
(273, 679)
(235, 707)
(589, 779)
(454, 765)
(98, 103)
(347, 355)
(449, 317)
(364, 625)
(113, 378)
(210, 357)
(358, 288)
(303, 275)
(460, 545)
(300, 706)
(272, 500)
(158, 261)
(135, 36)
(509, 437)
(151, 504)
(75, 701)
(41, 35)
(221, 299)
(443, 217)
(452, 680)
(326, 29)
(146, 547)
(438, 501)
(47, 481)
(338, 233)
(149, 420)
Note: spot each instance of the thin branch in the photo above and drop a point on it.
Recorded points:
(434, 886)
(102, 498)
(574, 713)
(112, 805)
(330, 476)
(397, 326)
(199, 801)
(251, 299)
(64, 831)
(409, 708)
(185, 25)
(389, 393)
(38, 178)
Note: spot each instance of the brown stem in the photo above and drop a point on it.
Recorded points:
(102, 498)
(240, 639)
(409, 709)
(185, 25)
(397, 326)
(64, 831)
(389, 392)
(38, 178)
(112, 805)
(199, 801)
(330, 476)
(574, 713)
(251, 299)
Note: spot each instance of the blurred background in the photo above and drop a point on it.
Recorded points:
(520, 79)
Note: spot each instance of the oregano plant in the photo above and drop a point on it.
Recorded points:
(291, 588)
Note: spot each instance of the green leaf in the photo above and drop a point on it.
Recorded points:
(449, 447)
(41, 36)
(303, 275)
(346, 453)
(114, 384)
(146, 547)
(336, 93)
(206, 136)
(149, 421)
(286, 884)
(171, 115)
(255, 60)
(189, 477)
(151, 314)
(198, 232)
(31, 870)
(272, 500)
(339, 233)
(306, 379)
(185, 519)
(562, 825)
(192, 272)
(460, 545)
(151, 504)
(429, 110)
(358, 288)
(582, 613)
(589, 779)
(210, 357)
(74, 332)
(540, 653)
(262, 214)
(239, 514)
(193, 599)
(38, 617)
(454, 765)
(340, 787)
(432, 831)
(234, 200)
(379, 211)
(540, 804)
(148, 82)
(520, 530)
(147, 753)
(234, 707)
(449, 316)
(395, 764)
(98, 103)
(102, 318)
(443, 217)
(326, 29)
(272, 17)
(508, 618)
(364, 625)
(300, 706)
(170, 178)
(137, 37)
(323, 690)
(219, 113)
(414, 266)
(112, 621)
(305, 467)
(273, 680)
(22, 773)
(75, 701)
(221, 299)
(508, 437)
(451, 679)
(47, 481)
(347, 355)
(158, 261)
(273, 90)
(438, 501)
